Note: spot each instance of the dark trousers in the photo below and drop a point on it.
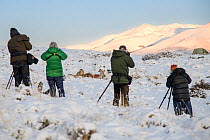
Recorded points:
(58, 81)
(123, 89)
(21, 73)
(181, 106)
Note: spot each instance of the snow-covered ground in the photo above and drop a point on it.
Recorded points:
(41, 117)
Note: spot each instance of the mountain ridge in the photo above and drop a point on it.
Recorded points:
(187, 40)
(145, 36)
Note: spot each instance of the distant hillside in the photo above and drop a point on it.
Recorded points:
(187, 40)
(148, 38)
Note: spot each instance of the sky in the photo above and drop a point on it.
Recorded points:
(71, 22)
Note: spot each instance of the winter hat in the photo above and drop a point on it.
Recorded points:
(13, 32)
(122, 47)
(53, 44)
(173, 67)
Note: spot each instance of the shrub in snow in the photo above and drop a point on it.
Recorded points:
(24, 90)
(197, 90)
(157, 118)
(18, 134)
(157, 56)
(198, 93)
(82, 131)
(100, 55)
(85, 130)
(204, 123)
(45, 123)
(201, 84)
(151, 122)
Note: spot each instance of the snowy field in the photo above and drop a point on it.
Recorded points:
(41, 117)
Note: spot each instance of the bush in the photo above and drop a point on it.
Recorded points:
(197, 90)
(160, 55)
(197, 93)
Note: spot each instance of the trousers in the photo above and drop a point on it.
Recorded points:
(181, 106)
(21, 73)
(58, 82)
(123, 89)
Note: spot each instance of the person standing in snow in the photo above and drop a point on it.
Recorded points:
(18, 46)
(178, 81)
(54, 70)
(120, 61)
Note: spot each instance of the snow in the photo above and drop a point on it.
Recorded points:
(38, 116)
(188, 40)
(150, 39)
(138, 37)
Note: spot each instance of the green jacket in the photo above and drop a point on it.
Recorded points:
(53, 56)
(120, 62)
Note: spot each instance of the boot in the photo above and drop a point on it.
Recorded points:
(124, 96)
(61, 93)
(53, 92)
(126, 100)
(116, 99)
(122, 100)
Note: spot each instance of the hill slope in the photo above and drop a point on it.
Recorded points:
(39, 116)
(187, 40)
(136, 38)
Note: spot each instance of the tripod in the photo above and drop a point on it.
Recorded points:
(11, 78)
(10, 81)
(104, 90)
(169, 90)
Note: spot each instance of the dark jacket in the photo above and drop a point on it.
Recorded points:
(18, 46)
(53, 56)
(120, 61)
(179, 81)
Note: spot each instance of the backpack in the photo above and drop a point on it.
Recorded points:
(31, 59)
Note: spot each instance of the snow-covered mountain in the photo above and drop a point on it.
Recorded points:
(187, 40)
(40, 117)
(157, 38)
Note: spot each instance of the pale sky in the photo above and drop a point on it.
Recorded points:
(71, 22)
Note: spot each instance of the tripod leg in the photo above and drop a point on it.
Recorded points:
(164, 98)
(190, 111)
(104, 90)
(10, 81)
(7, 87)
(169, 98)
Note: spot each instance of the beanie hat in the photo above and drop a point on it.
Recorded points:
(173, 67)
(122, 47)
(53, 44)
(13, 32)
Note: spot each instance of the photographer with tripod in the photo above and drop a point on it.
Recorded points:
(120, 63)
(18, 46)
(178, 82)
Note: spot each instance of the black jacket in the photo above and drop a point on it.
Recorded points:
(179, 81)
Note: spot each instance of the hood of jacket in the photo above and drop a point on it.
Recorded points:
(53, 50)
(14, 32)
(179, 71)
(118, 53)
